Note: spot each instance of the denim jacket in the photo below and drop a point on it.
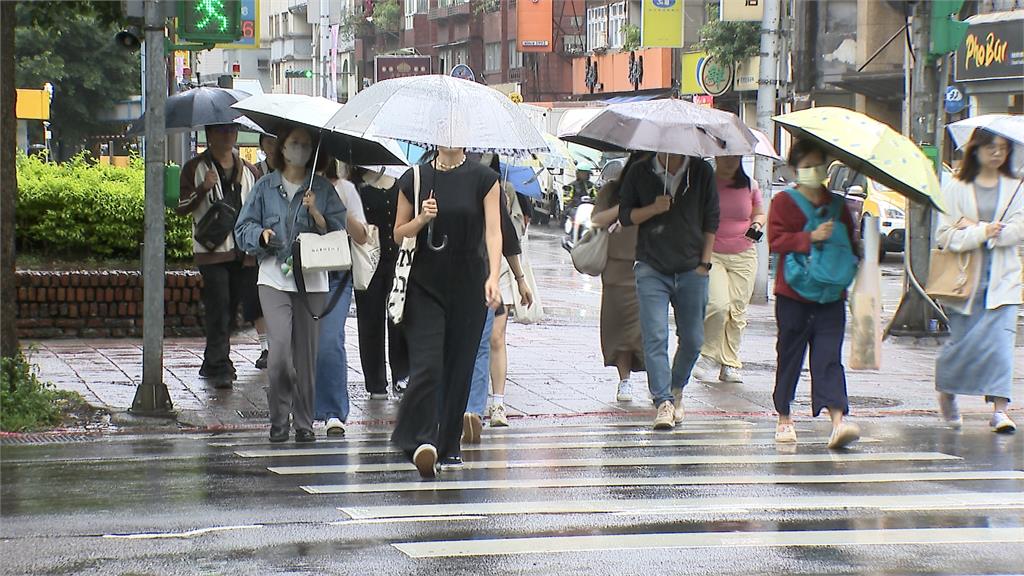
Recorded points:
(268, 207)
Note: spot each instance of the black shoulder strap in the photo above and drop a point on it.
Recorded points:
(300, 284)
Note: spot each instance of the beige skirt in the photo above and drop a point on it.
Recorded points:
(620, 316)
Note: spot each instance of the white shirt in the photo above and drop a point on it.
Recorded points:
(271, 274)
(671, 180)
(350, 198)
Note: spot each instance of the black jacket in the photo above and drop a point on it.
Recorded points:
(672, 242)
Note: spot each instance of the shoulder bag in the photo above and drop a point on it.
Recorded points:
(313, 252)
(590, 254)
(214, 228)
(952, 275)
(406, 253)
(365, 258)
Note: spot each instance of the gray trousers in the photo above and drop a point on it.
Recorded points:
(293, 338)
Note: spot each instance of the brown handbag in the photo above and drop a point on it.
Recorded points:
(953, 275)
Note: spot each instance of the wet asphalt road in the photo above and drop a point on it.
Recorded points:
(576, 496)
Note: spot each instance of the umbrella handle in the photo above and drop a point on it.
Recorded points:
(430, 239)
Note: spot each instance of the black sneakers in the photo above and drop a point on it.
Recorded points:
(261, 363)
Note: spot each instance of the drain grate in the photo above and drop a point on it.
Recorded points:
(44, 438)
(860, 402)
(253, 414)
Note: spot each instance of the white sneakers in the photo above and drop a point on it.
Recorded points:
(472, 428)
(624, 392)
(1001, 423)
(425, 458)
(335, 427)
(498, 417)
(731, 375)
(706, 369)
(665, 420)
(843, 435)
(677, 398)
(785, 434)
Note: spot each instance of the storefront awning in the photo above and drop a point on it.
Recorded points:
(876, 85)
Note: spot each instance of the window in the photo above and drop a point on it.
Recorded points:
(616, 20)
(597, 27)
(515, 57)
(492, 57)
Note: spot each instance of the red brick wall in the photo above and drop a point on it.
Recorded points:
(102, 304)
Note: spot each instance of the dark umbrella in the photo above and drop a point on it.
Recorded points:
(198, 107)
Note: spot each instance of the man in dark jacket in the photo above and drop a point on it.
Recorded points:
(674, 200)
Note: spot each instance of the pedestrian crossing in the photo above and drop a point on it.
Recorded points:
(620, 487)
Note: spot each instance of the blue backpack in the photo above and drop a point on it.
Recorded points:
(828, 270)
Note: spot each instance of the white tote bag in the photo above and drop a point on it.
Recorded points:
(365, 258)
(523, 314)
(406, 253)
(590, 254)
(325, 252)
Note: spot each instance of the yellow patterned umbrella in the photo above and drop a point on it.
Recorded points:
(869, 146)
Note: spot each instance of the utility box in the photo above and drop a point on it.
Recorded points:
(172, 185)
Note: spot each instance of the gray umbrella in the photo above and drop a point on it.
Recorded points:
(198, 107)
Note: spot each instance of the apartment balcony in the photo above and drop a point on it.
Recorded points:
(291, 49)
(516, 74)
(460, 9)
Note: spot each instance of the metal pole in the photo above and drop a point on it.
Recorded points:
(767, 87)
(914, 313)
(151, 397)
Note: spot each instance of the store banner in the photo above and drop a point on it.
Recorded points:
(747, 73)
(535, 25)
(991, 51)
(741, 10)
(690, 81)
(661, 24)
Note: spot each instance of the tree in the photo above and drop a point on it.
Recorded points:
(729, 42)
(73, 49)
(40, 15)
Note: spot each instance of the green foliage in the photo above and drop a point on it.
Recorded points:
(387, 16)
(729, 42)
(71, 45)
(630, 37)
(81, 209)
(26, 402)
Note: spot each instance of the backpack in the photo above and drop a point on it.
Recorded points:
(828, 270)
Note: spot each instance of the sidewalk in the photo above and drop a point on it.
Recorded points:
(555, 371)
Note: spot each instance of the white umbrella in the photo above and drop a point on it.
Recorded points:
(764, 146)
(439, 111)
(672, 126)
(274, 112)
(1005, 125)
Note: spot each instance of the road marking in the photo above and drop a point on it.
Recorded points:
(188, 534)
(908, 536)
(686, 460)
(608, 482)
(408, 519)
(390, 449)
(376, 437)
(647, 506)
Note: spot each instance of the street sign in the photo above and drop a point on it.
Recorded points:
(388, 67)
(955, 102)
(463, 71)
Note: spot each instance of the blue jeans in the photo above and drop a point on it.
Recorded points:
(481, 369)
(688, 294)
(331, 361)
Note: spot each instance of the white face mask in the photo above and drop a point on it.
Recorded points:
(297, 154)
(812, 177)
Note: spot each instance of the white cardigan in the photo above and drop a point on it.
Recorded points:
(1005, 280)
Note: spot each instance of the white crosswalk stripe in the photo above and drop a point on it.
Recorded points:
(626, 472)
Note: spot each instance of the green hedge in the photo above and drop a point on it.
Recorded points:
(82, 209)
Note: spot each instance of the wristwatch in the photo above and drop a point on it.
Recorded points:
(706, 265)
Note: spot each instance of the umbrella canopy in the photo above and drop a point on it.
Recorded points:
(193, 109)
(274, 112)
(523, 179)
(556, 156)
(870, 147)
(439, 111)
(764, 146)
(673, 126)
(1005, 125)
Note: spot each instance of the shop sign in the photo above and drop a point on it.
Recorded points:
(715, 79)
(991, 51)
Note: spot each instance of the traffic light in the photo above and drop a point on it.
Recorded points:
(947, 33)
(210, 21)
(298, 73)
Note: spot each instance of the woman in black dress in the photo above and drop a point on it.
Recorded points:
(445, 300)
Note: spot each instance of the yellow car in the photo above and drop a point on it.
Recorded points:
(865, 197)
